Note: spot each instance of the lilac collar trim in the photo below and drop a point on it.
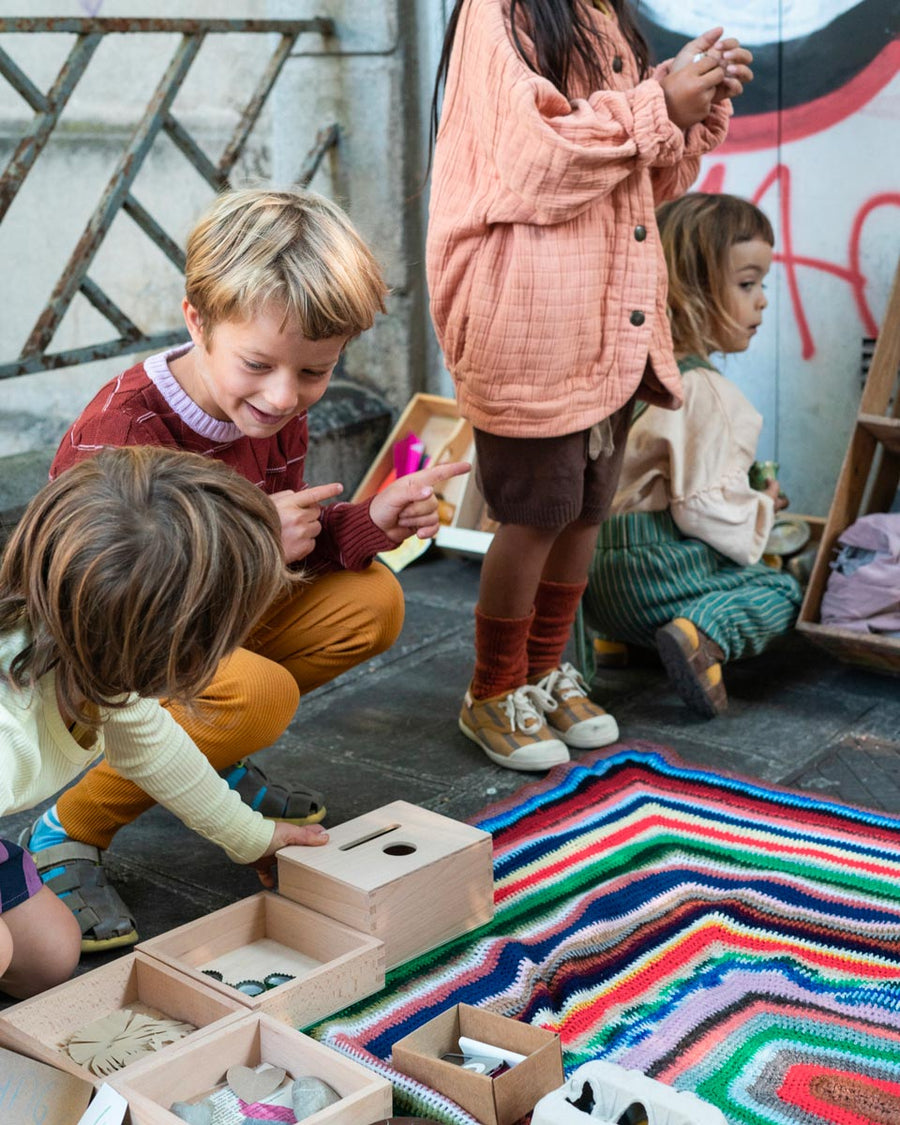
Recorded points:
(160, 375)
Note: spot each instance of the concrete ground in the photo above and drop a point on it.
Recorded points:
(387, 731)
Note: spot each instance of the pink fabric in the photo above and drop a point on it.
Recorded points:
(867, 599)
(534, 266)
(260, 1111)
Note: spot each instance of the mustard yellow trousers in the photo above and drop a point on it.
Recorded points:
(324, 628)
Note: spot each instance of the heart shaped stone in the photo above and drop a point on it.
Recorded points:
(254, 1085)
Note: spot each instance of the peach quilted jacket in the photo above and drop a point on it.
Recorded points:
(547, 280)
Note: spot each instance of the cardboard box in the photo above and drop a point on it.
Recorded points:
(38, 1027)
(446, 437)
(493, 1101)
(411, 877)
(250, 1040)
(332, 965)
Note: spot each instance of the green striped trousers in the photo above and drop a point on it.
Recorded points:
(645, 572)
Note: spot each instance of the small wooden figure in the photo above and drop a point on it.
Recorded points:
(411, 877)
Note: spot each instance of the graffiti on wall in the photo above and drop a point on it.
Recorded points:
(813, 142)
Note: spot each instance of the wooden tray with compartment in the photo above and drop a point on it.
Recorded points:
(332, 965)
(250, 1040)
(446, 437)
(38, 1027)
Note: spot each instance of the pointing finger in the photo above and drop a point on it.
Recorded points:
(434, 474)
(309, 496)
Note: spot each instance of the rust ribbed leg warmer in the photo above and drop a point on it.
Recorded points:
(501, 663)
(555, 606)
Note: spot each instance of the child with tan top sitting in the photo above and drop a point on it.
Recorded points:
(677, 566)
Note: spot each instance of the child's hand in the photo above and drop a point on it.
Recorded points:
(703, 44)
(773, 489)
(409, 504)
(299, 515)
(693, 79)
(736, 61)
(307, 835)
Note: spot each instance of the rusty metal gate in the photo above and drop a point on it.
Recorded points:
(117, 196)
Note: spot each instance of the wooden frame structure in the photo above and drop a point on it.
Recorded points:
(867, 483)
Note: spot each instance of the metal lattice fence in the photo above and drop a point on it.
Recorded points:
(157, 119)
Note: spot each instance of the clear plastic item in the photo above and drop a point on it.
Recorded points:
(602, 1093)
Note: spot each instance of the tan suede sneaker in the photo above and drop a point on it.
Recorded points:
(511, 729)
(693, 664)
(574, 718)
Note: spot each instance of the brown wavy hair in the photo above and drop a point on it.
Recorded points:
(697, 231)
(137, 571)
(564, 40)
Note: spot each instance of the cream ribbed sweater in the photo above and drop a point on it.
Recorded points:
(695, 461)
(38, 757)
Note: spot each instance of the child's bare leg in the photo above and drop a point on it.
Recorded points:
(570, 555)
(40, 943)
(6, 948)
(512, 569)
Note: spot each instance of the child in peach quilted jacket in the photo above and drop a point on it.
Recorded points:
(548, 294)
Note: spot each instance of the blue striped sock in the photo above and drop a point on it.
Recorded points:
(47, 832)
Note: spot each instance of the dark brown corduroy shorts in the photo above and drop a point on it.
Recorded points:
(548, 482)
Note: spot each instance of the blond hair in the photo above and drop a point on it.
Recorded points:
(697, 231)
(138, 570)
(291, 249)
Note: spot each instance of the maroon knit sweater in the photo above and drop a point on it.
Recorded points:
(130, 410)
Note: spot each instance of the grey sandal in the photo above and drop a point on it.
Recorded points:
(277, 802)
(79, 880)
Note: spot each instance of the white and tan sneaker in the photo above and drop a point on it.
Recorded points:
(511, 729)
(573, 717)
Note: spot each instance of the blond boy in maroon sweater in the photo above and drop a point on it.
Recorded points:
(277, 282)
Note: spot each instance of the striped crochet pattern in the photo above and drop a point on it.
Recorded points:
(718, 934)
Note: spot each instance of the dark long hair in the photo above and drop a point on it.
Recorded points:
(562, 34)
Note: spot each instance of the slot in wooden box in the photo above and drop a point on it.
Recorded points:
(37, 1027)
(250, 1040)
(411, 877)
(446, 437)
(332, 965)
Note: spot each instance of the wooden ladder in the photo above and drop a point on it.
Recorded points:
(867, 483)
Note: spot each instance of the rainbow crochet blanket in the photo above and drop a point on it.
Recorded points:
(721, 935)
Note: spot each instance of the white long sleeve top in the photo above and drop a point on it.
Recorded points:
(39, 756)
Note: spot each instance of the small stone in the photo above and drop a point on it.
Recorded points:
(200, 1113)
(309, 1095)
